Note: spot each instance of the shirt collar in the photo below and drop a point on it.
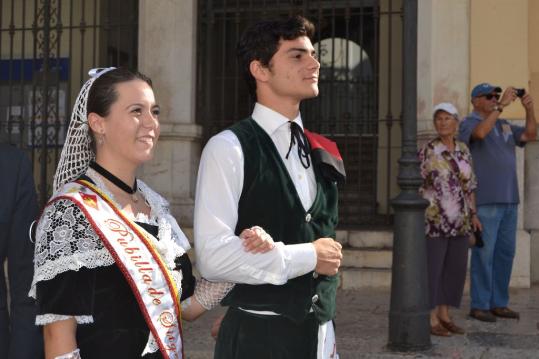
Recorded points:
(271, 120)
(476, 115)
(441, 147)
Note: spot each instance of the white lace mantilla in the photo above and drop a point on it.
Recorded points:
(65, 240)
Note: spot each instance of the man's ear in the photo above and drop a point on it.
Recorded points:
(259, 71)
(96, 123)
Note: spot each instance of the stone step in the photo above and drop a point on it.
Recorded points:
(366, 238)
(354, 278)
(198, 354)
(367, 258)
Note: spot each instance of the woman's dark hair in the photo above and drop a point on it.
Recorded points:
(103, 91)
(261, 41)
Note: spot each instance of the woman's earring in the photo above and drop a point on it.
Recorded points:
(100, 139)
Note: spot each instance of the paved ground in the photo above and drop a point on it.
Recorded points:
(362, 330)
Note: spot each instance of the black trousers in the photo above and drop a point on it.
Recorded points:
(244, 335)
(447, 259)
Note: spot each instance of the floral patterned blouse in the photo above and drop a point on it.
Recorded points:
(448, 183)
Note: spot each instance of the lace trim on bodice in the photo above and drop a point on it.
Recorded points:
(65, 240)
(44, 319)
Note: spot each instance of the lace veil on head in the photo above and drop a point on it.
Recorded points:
(77, 152)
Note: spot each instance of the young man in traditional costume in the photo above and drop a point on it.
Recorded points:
(261, 173)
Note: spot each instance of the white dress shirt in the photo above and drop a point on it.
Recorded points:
(219, 252)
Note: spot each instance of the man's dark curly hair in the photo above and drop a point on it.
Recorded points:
(261, 41)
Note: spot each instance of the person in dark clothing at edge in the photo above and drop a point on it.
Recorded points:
(19, 337)
(264, 173)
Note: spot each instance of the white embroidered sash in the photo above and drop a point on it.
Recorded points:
(141, 265)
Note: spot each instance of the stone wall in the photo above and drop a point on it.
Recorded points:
(167, 53)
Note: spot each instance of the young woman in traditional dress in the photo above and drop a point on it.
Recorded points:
(110, 260)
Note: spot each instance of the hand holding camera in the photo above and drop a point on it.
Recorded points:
(511, 93)
(525, 99)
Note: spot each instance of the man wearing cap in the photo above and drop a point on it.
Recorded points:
(492, 143)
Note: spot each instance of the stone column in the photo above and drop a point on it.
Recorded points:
(531, 171)
(443, 53)
(531, 207)
(520, 277)
(167, 53)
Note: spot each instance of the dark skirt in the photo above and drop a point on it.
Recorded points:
(245, 335)
(447, 259)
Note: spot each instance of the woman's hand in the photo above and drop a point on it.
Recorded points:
(256, 240)
(476, 224)
(216, 326)
(192, 310)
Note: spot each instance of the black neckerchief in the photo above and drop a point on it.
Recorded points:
(118, 182)
(297, 136)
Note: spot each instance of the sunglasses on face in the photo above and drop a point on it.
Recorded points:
(490, 96)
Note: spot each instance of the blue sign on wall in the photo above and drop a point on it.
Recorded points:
(14, 69)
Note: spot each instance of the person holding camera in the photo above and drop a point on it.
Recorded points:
(448, 184)
(492, 142)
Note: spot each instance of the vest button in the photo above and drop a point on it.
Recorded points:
(308, 218)
(315, 275)
(315, 298)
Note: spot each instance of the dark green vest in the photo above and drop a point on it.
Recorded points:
(270, 200)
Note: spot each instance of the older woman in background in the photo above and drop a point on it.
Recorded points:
(448, 185)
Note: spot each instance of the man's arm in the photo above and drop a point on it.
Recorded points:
(220, 253)
(530, 130)
(484, 127)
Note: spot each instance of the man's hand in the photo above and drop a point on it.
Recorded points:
(328, 256)
(530, 134)
(527, 102)
(509, 95)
